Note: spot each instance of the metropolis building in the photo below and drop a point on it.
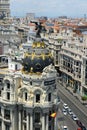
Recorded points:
(28, 92)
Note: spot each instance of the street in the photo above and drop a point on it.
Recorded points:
(66, 120)
(74, 104)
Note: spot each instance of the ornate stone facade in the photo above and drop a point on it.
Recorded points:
(27, 100)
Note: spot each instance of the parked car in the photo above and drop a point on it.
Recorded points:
(79, 128)
(65, 128)
(70, 111)
(79, 123)
(74, 117)
(83, 128)
(64, 111)
(65, 106)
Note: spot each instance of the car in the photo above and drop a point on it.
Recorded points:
(79, 123)
(65, 106)
(79, 128)
(83, 128)
(74, 117)
(64, 111)
(65, 128)
(70, 112)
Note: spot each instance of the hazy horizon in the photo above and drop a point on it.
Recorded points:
(49, 8)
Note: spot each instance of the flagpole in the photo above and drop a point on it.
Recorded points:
(55, 123)
(54, 115)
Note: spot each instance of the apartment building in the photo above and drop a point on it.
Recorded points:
(73, 65)
(69, 52)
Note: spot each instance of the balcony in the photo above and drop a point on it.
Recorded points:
(37, 123)
(37, 104)
(25, 118)
(66, 71)
(7, 119)
(76, 78)
(43, 104)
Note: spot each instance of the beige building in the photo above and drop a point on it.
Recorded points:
(70, 56)
(73, 65)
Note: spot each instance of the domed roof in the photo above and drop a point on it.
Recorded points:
(37, 58)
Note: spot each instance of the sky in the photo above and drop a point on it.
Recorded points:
(49, 8)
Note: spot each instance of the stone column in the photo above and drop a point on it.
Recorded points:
(47, 122)
(55, 123)
(81, 90)
(31, 122)
(12, 120)
(43, 122)
(28, 122)
(20, 120)
(3, 125)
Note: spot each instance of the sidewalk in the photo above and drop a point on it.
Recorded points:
(78, 97)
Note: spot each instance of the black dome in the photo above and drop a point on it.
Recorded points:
(37, 59)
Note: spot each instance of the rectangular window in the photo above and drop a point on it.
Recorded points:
(37, 97)
(26, 96)
(16, 67)
(7, 114)
(7, 127)
(86, 62)
(37, 128)
(24, 115)
(24, 126)
(49, 97)
(8, 95)
(0, 81)
(0, 111)
(30, 82)
(0, 125)
(77, 63)
(50, 116)
(37, 117)
(8, 85)
(0, 93)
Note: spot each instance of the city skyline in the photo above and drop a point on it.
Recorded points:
(50, 8)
